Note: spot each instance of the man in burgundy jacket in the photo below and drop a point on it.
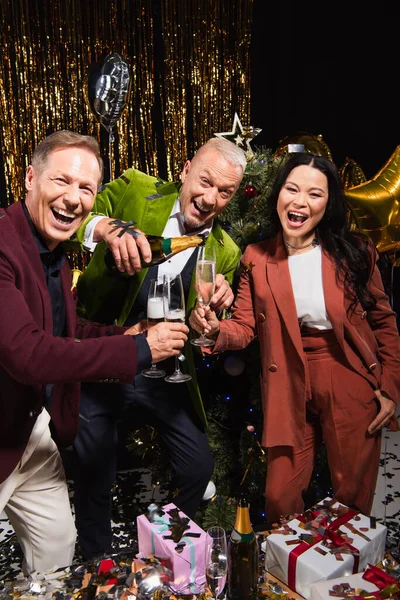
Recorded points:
(45, 353)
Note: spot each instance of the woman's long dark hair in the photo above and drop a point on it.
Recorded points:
(352, 251)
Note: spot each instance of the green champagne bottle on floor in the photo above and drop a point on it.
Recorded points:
(243, 557)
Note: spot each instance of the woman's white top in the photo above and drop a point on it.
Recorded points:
(306, 274)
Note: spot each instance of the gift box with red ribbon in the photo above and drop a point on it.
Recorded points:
(168, 533)
(326, 542)
(373, 584)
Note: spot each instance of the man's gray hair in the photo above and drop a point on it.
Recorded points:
(229, 150)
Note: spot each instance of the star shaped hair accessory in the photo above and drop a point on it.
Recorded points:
(239, 135)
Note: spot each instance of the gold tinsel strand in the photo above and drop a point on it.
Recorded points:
(48, 47)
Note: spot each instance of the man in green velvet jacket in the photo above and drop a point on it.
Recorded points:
(208, 182)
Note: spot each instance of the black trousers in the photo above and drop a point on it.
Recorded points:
(165, 406)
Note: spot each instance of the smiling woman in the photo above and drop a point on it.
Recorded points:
(313, 294)
(301, 205)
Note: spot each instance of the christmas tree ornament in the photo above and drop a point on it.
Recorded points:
(250, 191)
(239, 135)
(234, 366)
(375, 205)
(210, 492)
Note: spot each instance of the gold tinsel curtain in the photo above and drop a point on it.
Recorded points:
(207, 71)
(189, 66)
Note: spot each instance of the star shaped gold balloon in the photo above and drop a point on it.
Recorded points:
(239, 135)
(375, 205)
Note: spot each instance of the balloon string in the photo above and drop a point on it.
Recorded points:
(110, 140)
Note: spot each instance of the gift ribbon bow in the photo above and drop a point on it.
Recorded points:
(388, 585)
(329, 533)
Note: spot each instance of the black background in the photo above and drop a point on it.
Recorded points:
(329, 68)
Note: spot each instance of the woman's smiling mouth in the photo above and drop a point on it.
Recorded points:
(297, 217)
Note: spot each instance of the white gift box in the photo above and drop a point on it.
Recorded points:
(320, 561)
(320, 590)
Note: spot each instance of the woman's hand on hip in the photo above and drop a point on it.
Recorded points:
(387, 410)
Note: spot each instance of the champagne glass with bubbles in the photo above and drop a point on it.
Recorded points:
(155, 314)
(174, 311)
(205, 285)
(216, 560)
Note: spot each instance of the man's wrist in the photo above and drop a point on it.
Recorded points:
(100, 229)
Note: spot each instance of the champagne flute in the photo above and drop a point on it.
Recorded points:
(174, 311)
(205, 286)
(216, 560)
(155, 314)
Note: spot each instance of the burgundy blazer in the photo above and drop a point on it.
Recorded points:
(265, 306)
(30, 356)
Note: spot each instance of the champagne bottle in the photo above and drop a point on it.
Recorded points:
(242, 556)
(161, 248)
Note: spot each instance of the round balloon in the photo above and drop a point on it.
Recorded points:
(303, 142)
(109, 87)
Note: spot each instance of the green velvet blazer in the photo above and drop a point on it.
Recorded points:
(107, 297)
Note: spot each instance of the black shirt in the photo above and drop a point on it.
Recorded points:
(52, 262)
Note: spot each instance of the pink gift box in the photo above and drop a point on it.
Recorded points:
(187, 563)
